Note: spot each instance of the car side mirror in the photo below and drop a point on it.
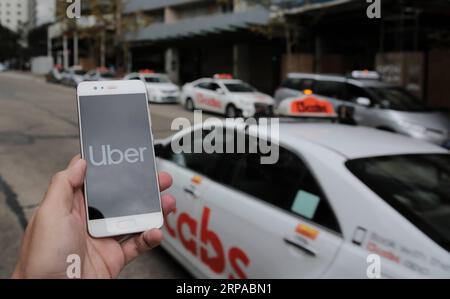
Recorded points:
(363, 101)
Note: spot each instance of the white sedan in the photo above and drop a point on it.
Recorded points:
(230, 97)
(73, 76)
(342, 201)
(159, 87)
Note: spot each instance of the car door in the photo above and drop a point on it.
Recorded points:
(265, 221)
(217, 98)
(200, 95)
(189, 170)
(367, 114)
(207, 97)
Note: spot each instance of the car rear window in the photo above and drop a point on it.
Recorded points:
(298, 84)
(156, 79)
(417, 186)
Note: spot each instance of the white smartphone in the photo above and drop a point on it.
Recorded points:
(121, 188)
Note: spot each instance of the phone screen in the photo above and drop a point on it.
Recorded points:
(117, 144)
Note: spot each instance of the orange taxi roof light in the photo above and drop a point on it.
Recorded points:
(311, 104)
(307, 92)
(223, 76)
(147, 71)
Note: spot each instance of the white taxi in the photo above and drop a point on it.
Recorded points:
(341, 202)
(225, 95)
(159, 87)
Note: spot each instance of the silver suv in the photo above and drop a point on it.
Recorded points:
(373, 103)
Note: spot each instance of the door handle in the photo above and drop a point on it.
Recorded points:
(191, 191)
(301, 245)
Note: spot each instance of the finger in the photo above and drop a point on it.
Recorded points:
(60, 193)
(165, 181)
(168, 203)
(139, 244)
(74, 160)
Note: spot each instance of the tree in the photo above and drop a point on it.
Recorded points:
(109, 28)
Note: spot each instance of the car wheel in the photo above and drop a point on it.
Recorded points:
(231, 112)
(189, 105)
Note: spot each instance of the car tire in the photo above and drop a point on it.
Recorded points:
(232, 112)
(189, 105)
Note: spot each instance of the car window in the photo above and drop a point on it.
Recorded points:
(298, 84)
(397, 98)
(133, 78)
(417, 186)
(287, 184)
(156, 79)
(203, 85)
(239, 87)
(331, 89)
(79, 72)
(214, 86)
(354, 92)
(200, 162)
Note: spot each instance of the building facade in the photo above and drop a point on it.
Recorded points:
(190, 39)
(18, 15)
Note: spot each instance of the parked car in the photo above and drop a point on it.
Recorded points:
(55, 75)
(371, 102)
(336, 195)
(225, 95)
(3, 67)
(100, 74)
(73, 76)
(159, 87)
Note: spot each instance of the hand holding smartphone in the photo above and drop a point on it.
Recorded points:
(121, 186)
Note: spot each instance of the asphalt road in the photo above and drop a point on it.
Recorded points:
(38, 136)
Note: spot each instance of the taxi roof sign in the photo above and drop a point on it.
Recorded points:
(365, 74)
(223, 76)
(312, 106)
(147, 71)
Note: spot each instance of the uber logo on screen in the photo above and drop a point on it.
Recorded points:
(113, 156)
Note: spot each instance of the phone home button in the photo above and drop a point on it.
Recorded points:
(126, 224)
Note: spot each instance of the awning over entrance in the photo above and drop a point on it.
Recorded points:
(193, 27)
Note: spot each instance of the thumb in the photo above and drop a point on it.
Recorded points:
(61, 191)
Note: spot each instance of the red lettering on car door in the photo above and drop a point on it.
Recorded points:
(216, 263)
(234, 255)
(192, 225)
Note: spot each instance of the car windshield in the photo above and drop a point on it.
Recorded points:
(239, 87)
(159, 79)
(397, 98)
(108, 75)
(79, 72)
(417, 186)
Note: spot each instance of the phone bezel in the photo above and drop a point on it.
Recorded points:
(108, 227)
